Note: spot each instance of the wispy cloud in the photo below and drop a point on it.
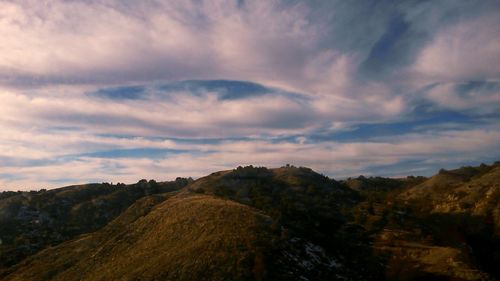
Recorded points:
(122, 90)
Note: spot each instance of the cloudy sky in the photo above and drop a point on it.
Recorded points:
(104, 90)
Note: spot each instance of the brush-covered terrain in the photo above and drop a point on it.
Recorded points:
(254, 223)
(31, 221)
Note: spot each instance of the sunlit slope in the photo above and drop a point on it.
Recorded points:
(474, 191)
(32, 221)
(187, 237)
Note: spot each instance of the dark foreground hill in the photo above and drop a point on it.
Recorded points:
(260, 224)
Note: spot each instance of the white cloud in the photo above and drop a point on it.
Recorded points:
(332, 158)
(108, 41)
(54, 52)
(468, 50)
(186, 115)
(478, 100)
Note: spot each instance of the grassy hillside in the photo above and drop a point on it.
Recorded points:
(254, 223)
(445, 227)
(461, 209)
(31, 221)
(472, 190)
(187, 237)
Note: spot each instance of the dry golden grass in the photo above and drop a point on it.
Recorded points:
(186, 237)
(407, 260)
(447, 193)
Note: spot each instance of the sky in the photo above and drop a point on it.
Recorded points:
(118, 91)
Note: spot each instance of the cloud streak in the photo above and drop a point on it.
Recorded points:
(120, 90)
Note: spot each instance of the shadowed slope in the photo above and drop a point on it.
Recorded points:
(312, 212)
(445, 227)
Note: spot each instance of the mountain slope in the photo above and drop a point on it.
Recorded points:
(461, 209)
(31, 221)
(311, 210)
(445, 227)
(187, 237)
(289, 223)
(472, 190)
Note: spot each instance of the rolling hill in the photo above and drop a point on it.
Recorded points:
(187, 237)
(31, 221)
(254, 223)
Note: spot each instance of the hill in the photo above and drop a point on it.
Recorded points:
(461, 209)
(472, 190)
(31, 221)
(444, 227)
(186, 237)
(288, 223)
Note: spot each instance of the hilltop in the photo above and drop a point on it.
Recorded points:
(254, 223)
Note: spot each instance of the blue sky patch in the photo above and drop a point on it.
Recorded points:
(122, 93)
(133, 153)
(226, 89)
